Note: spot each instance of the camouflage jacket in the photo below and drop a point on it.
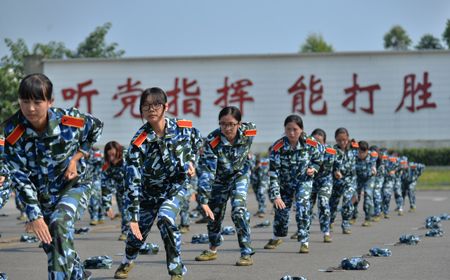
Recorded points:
(94, 165)
(112, 180)
(158, 165)
(414, 171)
(222, 161)
(330, 162)
(364, 168)
(288, 166)
(38, 161)
(260, 172)
(4, 187)
(392, 165)
(347, 158)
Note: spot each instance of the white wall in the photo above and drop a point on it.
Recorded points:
(272, 76)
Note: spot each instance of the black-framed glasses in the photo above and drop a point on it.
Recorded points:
(154, 106)
(227, 125)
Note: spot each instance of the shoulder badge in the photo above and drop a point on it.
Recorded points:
(384, 157)
(15, 134)
(2, 142)
(355, 145)
(330, 151)
(215, 141)
(264, 163)
(140, 139)
(374, 154)
(250, 132)
(72, 121)
(403, 162)
(278, 145)
(393, 159)
(184, 123)
(105, 166)
(311, 142)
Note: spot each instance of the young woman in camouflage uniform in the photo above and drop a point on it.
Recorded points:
(259, 179)
(294, 160)
(159, 161)
(323, 183)
(224, 174)
(345, 184)
(44, 150)
(113, 181)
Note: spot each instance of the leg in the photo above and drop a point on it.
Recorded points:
(302, 198)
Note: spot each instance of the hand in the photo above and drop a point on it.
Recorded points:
(71, 171)
(110, 213)
(310, 171)
(374, 171)
(191, 170)
(208, 211)
(40, 228)
(2, 179)
(134, 226)
(338, 175)
(392, 173)
(279, 203)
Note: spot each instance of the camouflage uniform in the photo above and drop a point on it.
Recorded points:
(322, 186)
(260, 182)
(185, 220)
(378, 184)
(113, 181)
(224, 174)
(409, 188)
(5, 190)
(156, 177)
(389, 182)
(344, 187)
(37, 163)
(94, 168)
(400, 176)
(365, 181)
(289, 181)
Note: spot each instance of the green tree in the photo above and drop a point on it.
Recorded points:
(12, 66)
(95, 46)
(429, 42)
(446, 34)
(397, 39)
(315, 43)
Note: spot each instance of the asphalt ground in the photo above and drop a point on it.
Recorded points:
(430, 259)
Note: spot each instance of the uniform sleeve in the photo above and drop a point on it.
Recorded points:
(93, 128)
(107, 191)
(207, 167)
(196, 143)
(274, 173)
(316, 157)
(16, 160)
(133, 185)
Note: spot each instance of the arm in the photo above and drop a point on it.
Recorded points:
(207, 167)
(133, 181)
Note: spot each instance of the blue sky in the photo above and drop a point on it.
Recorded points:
(208, 27)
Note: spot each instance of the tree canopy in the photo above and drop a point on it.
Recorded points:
(315, 43)
(397, 39)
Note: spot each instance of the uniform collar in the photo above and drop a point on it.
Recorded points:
(52, 129)
(169, 130)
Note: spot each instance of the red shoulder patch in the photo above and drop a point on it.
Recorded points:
(264, 163)
(355, 145)
(2, 142)
(330, 151)
(311, 142)
(403, 162)
(184, 123)
(16, 134)
(250, 132)
(374, 154)
(278, 145)
(140, 139)
(105, 166)
(384, 157)
(393, 159)
(215, 141)
(72, 121)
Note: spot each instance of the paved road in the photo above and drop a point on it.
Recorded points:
(428, 260)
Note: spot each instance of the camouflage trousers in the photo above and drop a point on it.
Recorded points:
(185, 220)
(377, 197)
(260, 189)
(234, 189)
(386, 193)
(344, 188)
(321, 191)
(5, 192)
(95, 202)
(63, 260)
(398, 194)
(366, 186)
(409, 190)
(301, 193)
(165, 211)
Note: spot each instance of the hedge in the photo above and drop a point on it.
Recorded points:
(428, 156)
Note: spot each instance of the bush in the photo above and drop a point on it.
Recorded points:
(427, 156)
